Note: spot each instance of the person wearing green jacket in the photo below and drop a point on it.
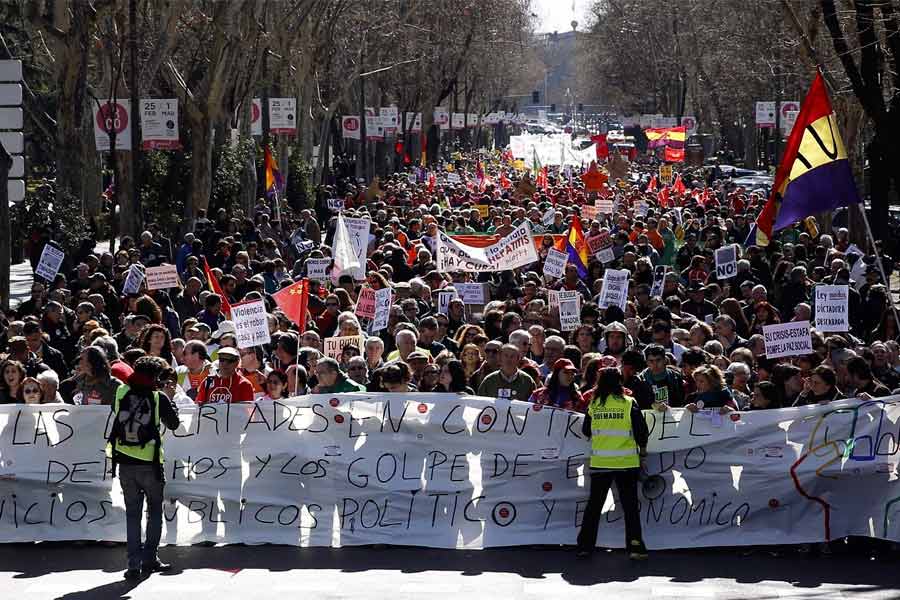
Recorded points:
(618, 435)
(332, 380)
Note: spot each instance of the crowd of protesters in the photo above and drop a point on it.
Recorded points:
(696, 343)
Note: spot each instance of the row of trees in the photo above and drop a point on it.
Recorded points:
(715, 59)
(214, 56)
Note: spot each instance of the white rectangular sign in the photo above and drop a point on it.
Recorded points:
(513, 251)
(109, 117)
(569, 314)
(335, 345)
(162, 277)
(765, 114)
(134, 279)
(374, 129)
(471, 293)
(389, 117)
(787, 339)
(317, 267)
(49, 263)
(444, 299)
(555, 265)
(726, 262)
(251, 323)
(832, 312)
(159, 124)
(358, 229)
(442, 118)
(256, 117)
(615, 288)
(471, 473)
(458, 121)
(283, 116)
(382, 309)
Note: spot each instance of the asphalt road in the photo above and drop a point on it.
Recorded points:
(94, 572)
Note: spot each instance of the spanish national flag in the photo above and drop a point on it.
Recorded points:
(814, 174)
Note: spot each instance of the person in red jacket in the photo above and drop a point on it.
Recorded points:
(227, 385)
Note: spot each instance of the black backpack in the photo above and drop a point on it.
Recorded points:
(134, 423)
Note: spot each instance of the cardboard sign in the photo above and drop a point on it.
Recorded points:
(555, 265)
(134, 279)
(250, 323)
(159, 124)
(317, 267)
(832, 307)
(471, 293)
(51, 259)
(666, 174)
(335, 345)
(787, 339)
(569, 314)
(615, 288)
(382, 309)
(726, 262)
(365, 304)
(162, 277)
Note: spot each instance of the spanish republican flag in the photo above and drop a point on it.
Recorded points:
(814, 174)
(294, 302)
(575, 245)
(274, 182)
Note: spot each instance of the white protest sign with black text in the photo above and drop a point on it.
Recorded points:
(134, 279)
(382, 309)
(316, 268)
(444, 298)
(250, 323)
(48, 266)
(555, 265)
(787, 339)
(471, 293)
(358, 229)
(570, 313)
(513, 251)
(335, 345)
(832, 307)
(162, 277)
(726, 262)
(615, 288)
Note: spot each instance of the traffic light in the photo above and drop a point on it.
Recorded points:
(535, 97)
(553, 108)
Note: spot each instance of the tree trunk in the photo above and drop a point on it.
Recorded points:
(248, 172)
(201, 169)
(880, 167)
(130, 219)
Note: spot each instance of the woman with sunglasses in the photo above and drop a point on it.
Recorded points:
(30, 392)
(430, 376)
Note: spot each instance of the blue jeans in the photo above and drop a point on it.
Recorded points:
(139, 482)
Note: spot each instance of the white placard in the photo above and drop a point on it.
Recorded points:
(556, 296)
(726, 262)
(256, 117)
(444, 298)
(162, 277)
(615, 288)
(659, 279)
(513, 251)
(48, 266)
(335, 345)
(548, 217)
(159, 124)
(374, 129)
(350, 127)
(569, 314)
(134, 279)
(787, 339)
(442, 118)
(832, 307)
(605, 205)
(109, 116)
(389, 115)
(555, 265)
(765, 114)
(590, 212)
(335, 204)
(458, 121)
(382, 309)
(250, 323)
(358, 229)
(283, 116)
(606, 255)
(471, 293)
(316, 268)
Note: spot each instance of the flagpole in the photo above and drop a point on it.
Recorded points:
(887, 282)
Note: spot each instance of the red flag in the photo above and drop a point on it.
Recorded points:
(542, 179)
(678, 186)
(215, 288)
(651, 187)
(663, 197)
(505, 183)
(294, 302)
(674, 154)
(432, 181)
(602, 147)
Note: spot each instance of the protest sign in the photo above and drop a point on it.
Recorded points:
(250, 323)
(642, 208)
(787, 339)
(557, 296)
(444, 298)
(590, 212)
(832, 302)
(134, 279)
(335, 204)
(666, 176)
(569, 314)
(159, 124)
(316, 268)
(605, 205)
(548, 217)
(726, 262)
(48, 266)
(659, 278)
(365, 304)
(341, 449)
(615, 288)
(513, 251)
(471, 293)
(606, 255)
(335, 345)
(162, 277)
(358, 229)
(555, 264)
(382, 309)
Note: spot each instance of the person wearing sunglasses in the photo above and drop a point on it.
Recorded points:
(30, 392)
(227, 385)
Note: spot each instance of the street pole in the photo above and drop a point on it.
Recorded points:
(138, 218)
(5, 233)
(265, 116)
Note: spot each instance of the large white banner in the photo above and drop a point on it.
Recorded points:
(513, 251)
(358, 229)
(449, 471)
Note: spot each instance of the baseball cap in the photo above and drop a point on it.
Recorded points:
(564, 364)
(229, 352)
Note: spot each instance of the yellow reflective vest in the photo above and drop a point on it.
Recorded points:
(146, 451)
(612, 440)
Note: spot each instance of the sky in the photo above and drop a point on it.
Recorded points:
(557, 15)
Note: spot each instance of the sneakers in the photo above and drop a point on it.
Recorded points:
(155, 567)
(637, 551)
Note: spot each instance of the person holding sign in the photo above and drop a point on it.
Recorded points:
(618, 433)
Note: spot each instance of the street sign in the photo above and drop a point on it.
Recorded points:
(765, 114)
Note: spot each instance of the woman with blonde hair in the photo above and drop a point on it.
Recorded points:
(711, 391)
